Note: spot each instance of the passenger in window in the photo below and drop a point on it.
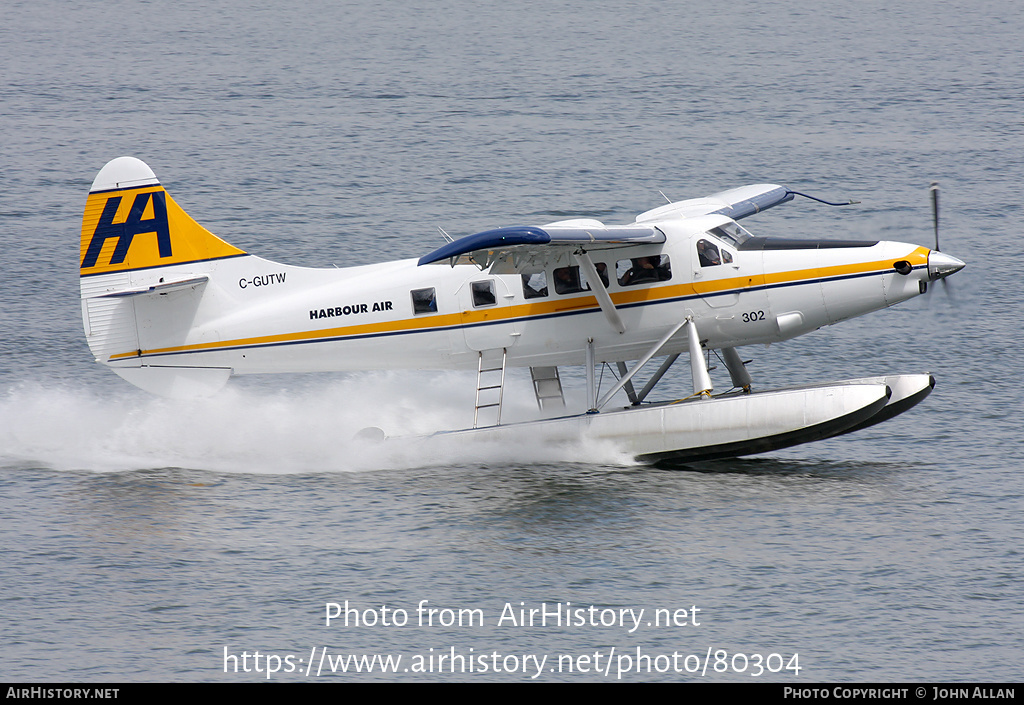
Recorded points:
(567, 280)
(644, 270)
(664, 267)
(707, 254)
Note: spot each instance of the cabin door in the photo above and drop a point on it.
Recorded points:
(487, 313)
(731, 283)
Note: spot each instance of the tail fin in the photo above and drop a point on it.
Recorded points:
(131, 223)
(137, 243)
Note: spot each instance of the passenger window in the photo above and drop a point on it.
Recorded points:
(643, 270)
(602, 271)
(535, 285)
(483, 293)
(707, 254)
(567, 280)
(570, 280)
(424, 301)
(726, 256)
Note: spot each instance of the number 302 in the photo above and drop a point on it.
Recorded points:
(753, 316)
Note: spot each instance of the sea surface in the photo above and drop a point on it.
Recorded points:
(143, 539)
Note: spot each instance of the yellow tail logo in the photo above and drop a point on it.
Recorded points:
(142, 227)
(148, 214)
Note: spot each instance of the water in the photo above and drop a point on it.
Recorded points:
(144, 539)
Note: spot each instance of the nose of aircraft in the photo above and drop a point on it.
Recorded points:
(941, 265)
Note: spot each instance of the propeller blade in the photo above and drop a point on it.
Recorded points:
(950, 266)
(949, 290)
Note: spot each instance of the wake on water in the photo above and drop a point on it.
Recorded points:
(257, 426)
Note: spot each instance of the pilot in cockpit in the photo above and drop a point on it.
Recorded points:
(707, 254)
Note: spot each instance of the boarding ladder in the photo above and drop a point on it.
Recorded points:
(488, 372)
(547, 386)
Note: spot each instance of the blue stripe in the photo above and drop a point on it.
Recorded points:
(157, 266)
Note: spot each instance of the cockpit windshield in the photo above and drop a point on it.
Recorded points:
(732, 233)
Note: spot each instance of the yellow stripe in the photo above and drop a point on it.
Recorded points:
(524, 311)
(411, 325)
(916, 258)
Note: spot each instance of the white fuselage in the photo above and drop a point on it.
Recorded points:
(254, 316)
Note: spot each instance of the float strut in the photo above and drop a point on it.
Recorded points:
(737, 370)
(701, 378)
(656, 377)
(640, 363)
(630, 392)
(591, 383)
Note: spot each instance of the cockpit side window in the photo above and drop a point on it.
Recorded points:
(643, 270)
(708, 254)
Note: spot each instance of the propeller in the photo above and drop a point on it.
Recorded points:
(940, 266)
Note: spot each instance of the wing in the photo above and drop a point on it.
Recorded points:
(523, 246)
(520, 245)
(735, 203)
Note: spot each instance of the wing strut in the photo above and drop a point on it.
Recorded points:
(598, 287)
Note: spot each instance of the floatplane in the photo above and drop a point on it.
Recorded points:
(175, 310)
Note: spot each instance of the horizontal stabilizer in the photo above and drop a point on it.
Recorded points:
(161, 288)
